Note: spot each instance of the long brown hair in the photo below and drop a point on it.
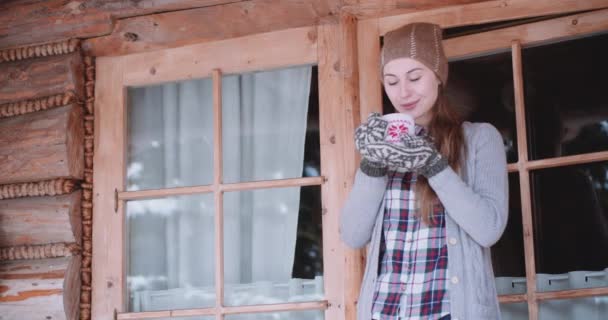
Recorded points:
(446, 130)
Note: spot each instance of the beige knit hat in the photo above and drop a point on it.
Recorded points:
(420, 41)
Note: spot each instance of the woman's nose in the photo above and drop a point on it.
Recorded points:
(405, 90)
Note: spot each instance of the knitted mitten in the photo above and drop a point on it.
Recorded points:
(414, 153)
(371, 131)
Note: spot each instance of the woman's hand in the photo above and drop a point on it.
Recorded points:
(414, 153)
(371, 131)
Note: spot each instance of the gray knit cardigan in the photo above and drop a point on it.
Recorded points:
(476, 205)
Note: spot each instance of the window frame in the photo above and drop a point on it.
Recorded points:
(299, 46)
(501, 40)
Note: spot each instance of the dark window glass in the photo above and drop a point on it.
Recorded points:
(570, 206)
(566, 104)
(508, 253)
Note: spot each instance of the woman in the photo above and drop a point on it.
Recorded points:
(430, 206)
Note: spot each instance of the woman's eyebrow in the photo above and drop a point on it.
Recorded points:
(390, 74)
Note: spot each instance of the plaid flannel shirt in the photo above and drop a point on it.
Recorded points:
(412, 281)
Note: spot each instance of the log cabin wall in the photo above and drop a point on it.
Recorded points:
(46, 150)
(46, 112)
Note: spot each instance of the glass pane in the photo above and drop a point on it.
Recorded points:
(514, 311)
(591, 308)
(508, 258)
(170, 253)
(566, 101)
(482, 89)
(294, 315)
(570, 206)
(273, 246)
(170, 135)
(270, 125)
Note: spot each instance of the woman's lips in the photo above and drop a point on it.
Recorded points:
(410, 105)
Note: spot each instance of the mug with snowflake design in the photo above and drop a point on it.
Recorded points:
(399, 124)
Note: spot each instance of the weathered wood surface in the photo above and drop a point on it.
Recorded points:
(40, 220)
(40, 289)
(42, 145)
(25, 22)
(173, 29)
(34, 78)
(378, 8)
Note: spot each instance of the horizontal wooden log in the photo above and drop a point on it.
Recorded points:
(43, 251)
(40, 289)
(28, 106)
(35, 78)
(378, 8)
(38, 189)
(39, 50)
(42, 145)
(41, 220)
(173, 29)
(40, 21)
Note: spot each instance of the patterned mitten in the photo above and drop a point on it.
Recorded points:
(371, 131)
(414, 153)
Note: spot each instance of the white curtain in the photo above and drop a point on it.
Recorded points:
(171, 240)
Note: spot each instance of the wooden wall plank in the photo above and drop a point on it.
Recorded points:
(174, 29)
(365, 9)
(42, 145)
(369, 67)
(489, 11)
(339, 105)
(108, 284)
(264, 51)
(40, 220)
(34, 78)
(40, 289)
(39, 21)
(528, 34)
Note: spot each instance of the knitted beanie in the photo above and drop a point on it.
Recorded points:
(420, 41)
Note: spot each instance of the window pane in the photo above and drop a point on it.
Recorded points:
(170, 135)
(592, 308)
(294, 315)
(273, 246)
(170, 248)
(508, 258)
(565, 98)
(270, 125)
(514, 311)
(570, 224)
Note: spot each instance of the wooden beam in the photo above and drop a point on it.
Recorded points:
(489, 11)
(42, 145)
(264, 51)
(40, 220)
(40, 289)
(174, 29)
(35, 78)
(365, 9)
(369, 71)
(339, 105)
(40, 21)
(108, 281)
(528, 34)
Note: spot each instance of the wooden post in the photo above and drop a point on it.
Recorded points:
(339, 105)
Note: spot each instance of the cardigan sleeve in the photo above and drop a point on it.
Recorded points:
(481, 207)
(360, 210)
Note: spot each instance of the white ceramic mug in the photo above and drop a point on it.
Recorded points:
(399, 124)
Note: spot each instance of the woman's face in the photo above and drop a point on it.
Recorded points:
(412, 88)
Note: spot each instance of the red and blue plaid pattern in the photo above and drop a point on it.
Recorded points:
(412, 281)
